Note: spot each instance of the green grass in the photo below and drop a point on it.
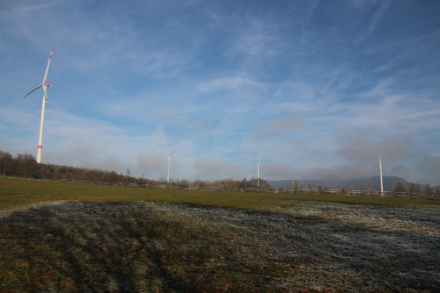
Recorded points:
(19, 191)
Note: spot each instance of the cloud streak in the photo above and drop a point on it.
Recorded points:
(285, 124)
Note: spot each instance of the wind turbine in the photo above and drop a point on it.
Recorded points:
(168, 175)
(258, 169)
(44, 85)
(381, 180)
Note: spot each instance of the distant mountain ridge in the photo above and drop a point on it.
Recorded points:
(356, 183)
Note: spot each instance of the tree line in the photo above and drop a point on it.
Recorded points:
(413, 191)
(399, 190)
(25, 165)
(320, 189)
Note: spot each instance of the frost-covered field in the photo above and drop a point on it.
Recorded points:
(77, 246)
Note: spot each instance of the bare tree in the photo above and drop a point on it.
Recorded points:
(399, 189)
(6, 162)
(428, 191)
(320, 189)
(371, 192)
(418, 191)
(343, 191)
(310, 188)
(28, 166)
(242, 184)
(351, 191)
(336, 189)
(412, 189)
(296, 186)
(111, 177)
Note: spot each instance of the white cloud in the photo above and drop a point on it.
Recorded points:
(214, 169)
(359, 145)
(272, 171)
(341, 171)
(284, 124)
(228, 83)
(152, 161)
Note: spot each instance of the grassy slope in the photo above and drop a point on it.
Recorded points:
(19, 191)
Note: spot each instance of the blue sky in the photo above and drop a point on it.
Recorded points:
(330, 83)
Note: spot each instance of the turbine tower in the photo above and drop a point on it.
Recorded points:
(168, 174)
(44, 85)
(381, 180)
(258, 169)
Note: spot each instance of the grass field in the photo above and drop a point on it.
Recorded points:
(18, 192)
(71, 237)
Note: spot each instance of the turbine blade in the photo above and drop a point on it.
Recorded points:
(260, 155)
(173, 151)
(33, 90)
(47, 68)
(45, 96)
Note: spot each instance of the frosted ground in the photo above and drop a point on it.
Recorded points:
(77, 246)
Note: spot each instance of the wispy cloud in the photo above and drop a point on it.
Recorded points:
(228, 83)
(375, 18)
(285, 124)
(213, 168)
(358, 145)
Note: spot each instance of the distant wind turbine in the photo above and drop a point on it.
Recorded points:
(258, 169)
(381, 180)
(168, 174)
(44, 85)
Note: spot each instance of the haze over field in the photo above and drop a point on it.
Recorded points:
(331, 83)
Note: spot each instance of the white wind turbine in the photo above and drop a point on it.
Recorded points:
(381, 180)
(168, 174)
(44, 85)
(258, 169)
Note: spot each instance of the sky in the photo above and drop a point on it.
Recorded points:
(317, 88)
